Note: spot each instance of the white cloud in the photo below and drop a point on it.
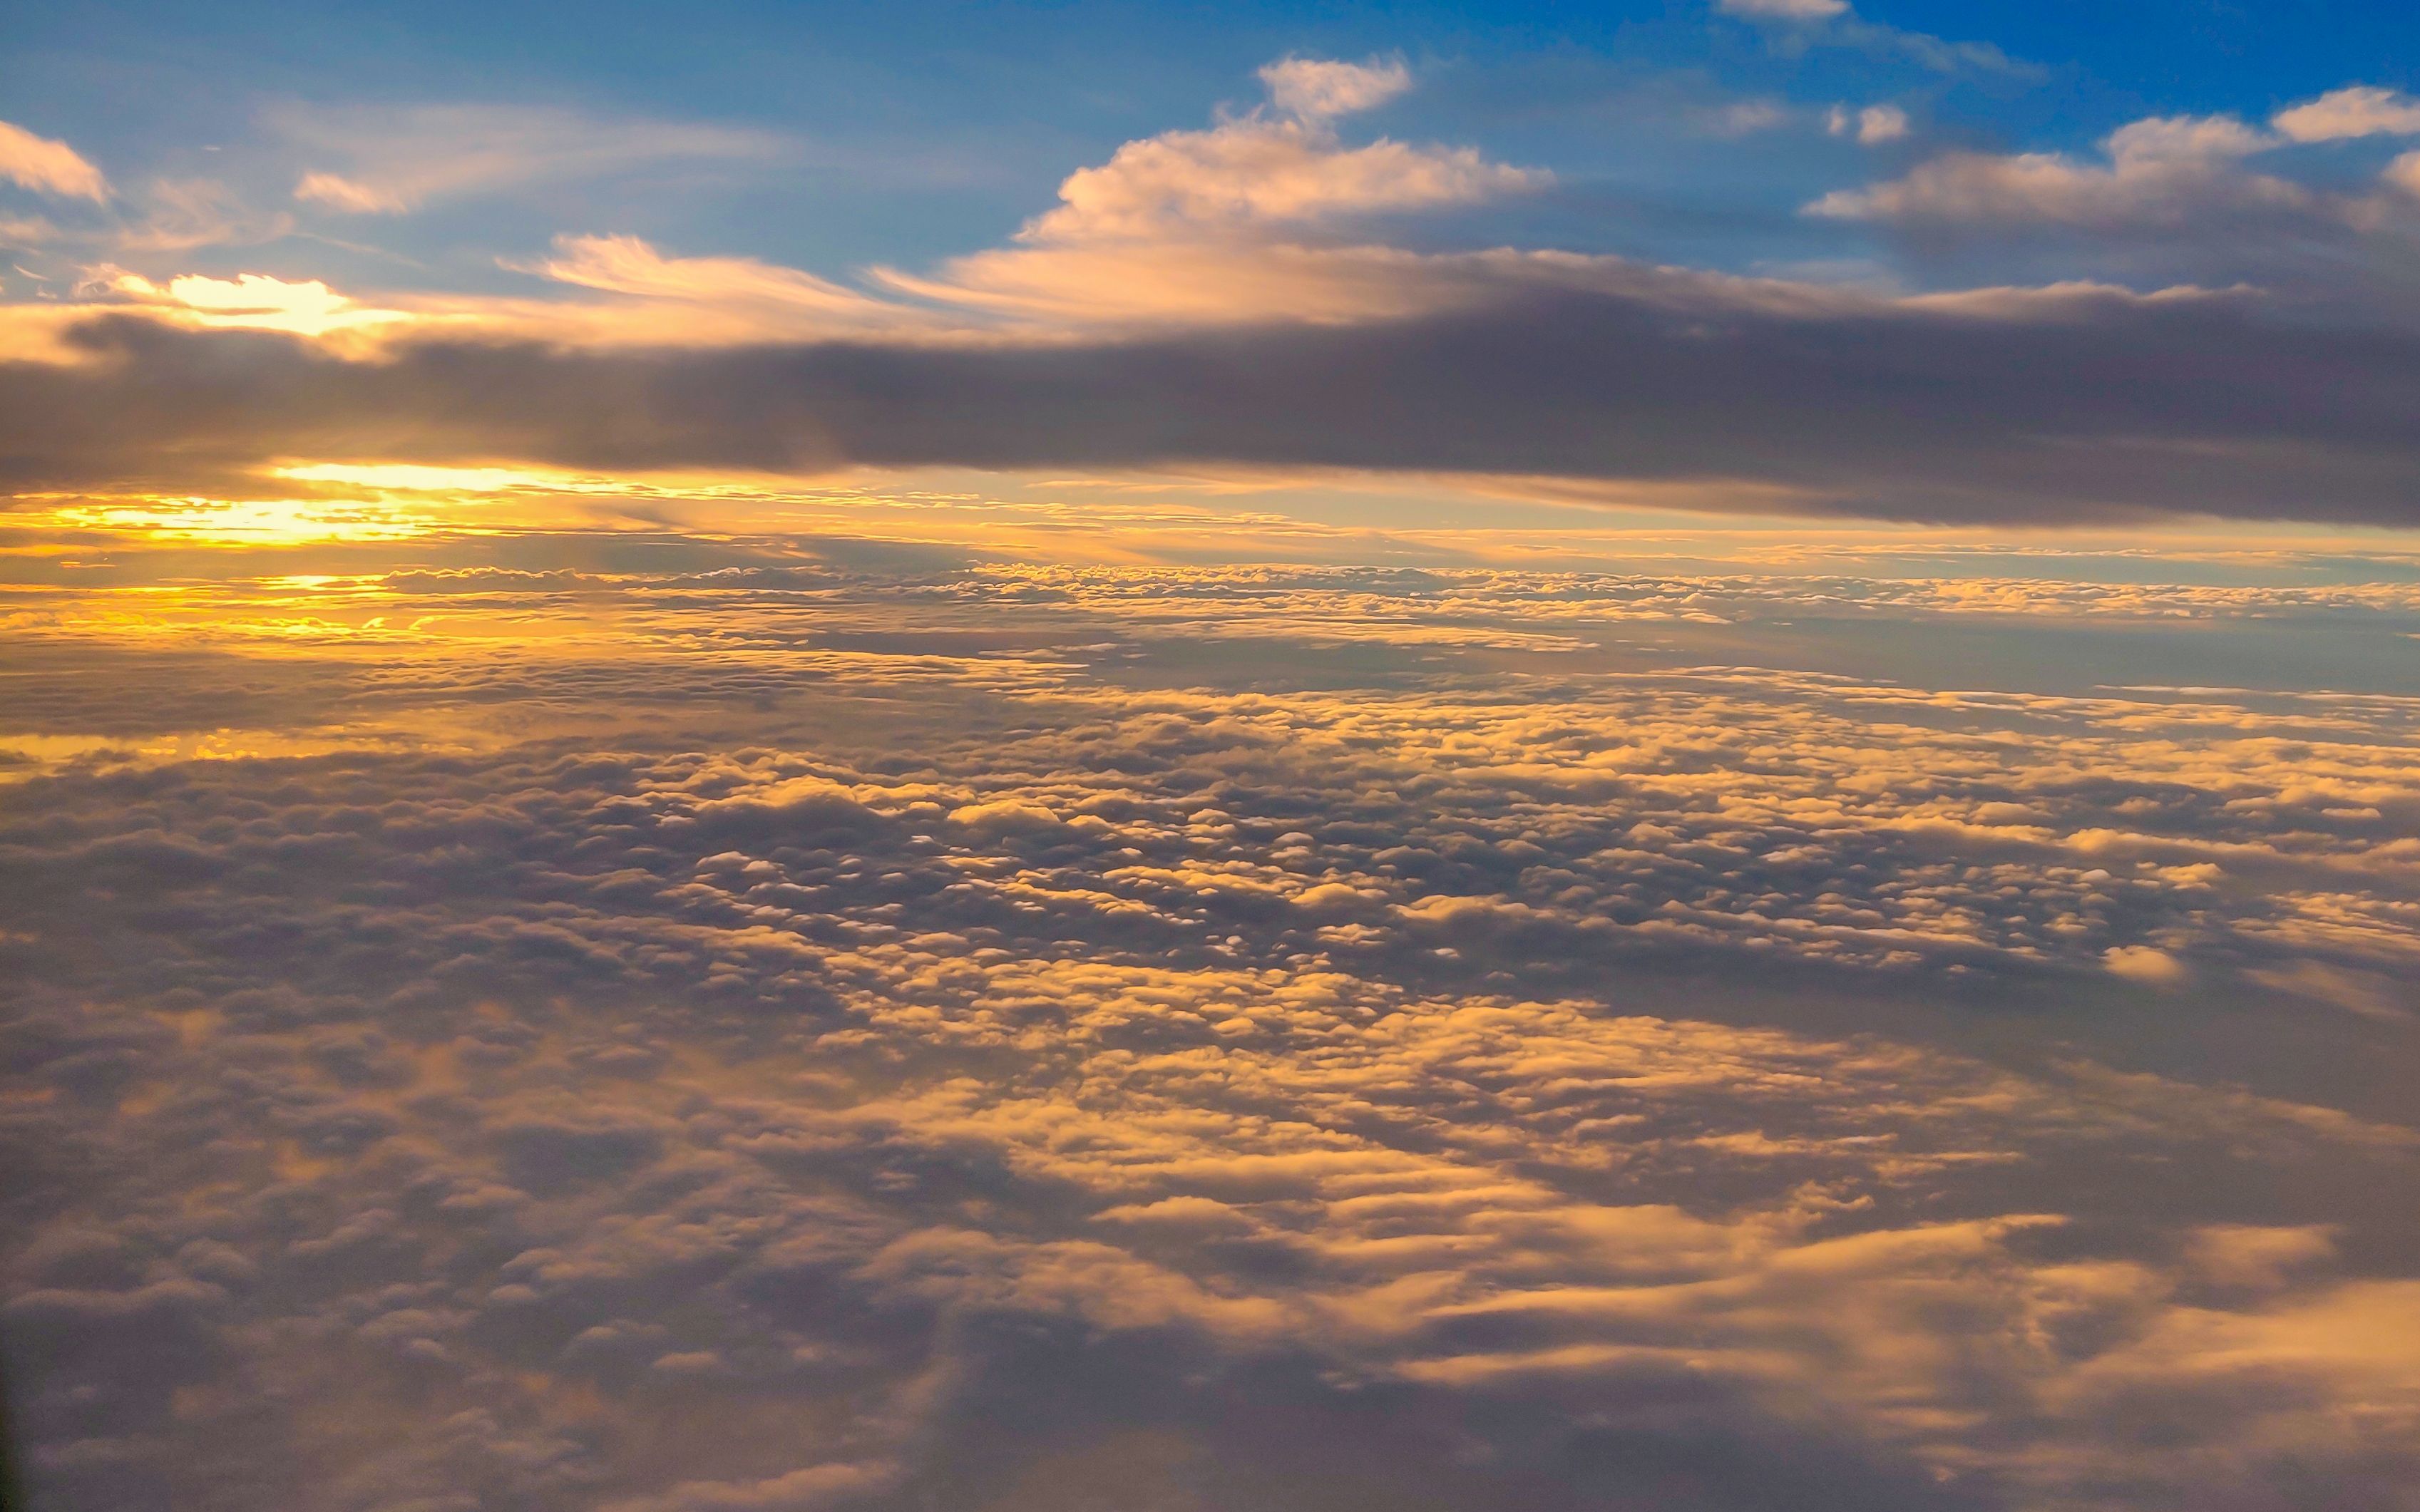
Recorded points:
(2197, 139)
(1871, 126)
(2358, 111)
(249, 301)
(383, 159)
(1833, 22)
(339, 193)
(1255, 172)
(1231, 223)
(626, 265)
(2158, 170)
(2145, 964)
(178, 215)
(1784, 9)
(1315, 89)
(47, 166)
(1745, 118)
(2404, 173)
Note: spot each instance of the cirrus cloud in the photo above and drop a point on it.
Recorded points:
(48, 167)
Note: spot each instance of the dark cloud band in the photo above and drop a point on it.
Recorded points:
(2057, 406)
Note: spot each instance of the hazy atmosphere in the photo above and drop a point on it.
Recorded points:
(1102, 758)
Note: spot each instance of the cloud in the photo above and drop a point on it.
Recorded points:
(1803, 22)
(339, 193)
(1256, 173)
(2145, 964)
(2158, 171)
(2344, 114)
(523, 1011)
(2161, 176)
(2404, 173)
(2048, 404)
(1216, 298)
(1234, 223)
(386, 160)
(1871, 126)
(1784, 9)
(1315, 89)
(46, 166)
(181, 214)
(900, 1076)
(251, 301)
(626, 265)
(1238, 223)
(797, 1490)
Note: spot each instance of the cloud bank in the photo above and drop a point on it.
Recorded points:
(2057, 405)
(809, 1037)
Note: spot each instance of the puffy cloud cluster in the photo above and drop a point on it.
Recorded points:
(2161, 174)
(1015, 1038)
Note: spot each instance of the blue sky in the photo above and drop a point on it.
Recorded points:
(924, 130)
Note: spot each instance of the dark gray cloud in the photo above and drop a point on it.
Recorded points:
(2062, 405)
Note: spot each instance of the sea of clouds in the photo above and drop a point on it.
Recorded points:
(1059, 1038)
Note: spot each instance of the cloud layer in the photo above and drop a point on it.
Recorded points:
(2067, 404)
(781, 1036)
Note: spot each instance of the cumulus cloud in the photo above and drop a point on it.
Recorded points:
(1001, 1034)
(505, 1011)
(2158, 171)
(1258, 173)
(2355, 111)
(2159, 176)
(48, 167)
(1871, 126)
(1253, 172)
(1253, 218)
(2404, 173)
(1319, 89)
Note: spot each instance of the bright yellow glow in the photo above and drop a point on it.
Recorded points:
(402, 477)
(955, 516)
(256, 302)
(241, 521)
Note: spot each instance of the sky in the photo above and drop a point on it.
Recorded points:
(1163, 758)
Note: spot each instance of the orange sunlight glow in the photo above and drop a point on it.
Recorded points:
(255, 301)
